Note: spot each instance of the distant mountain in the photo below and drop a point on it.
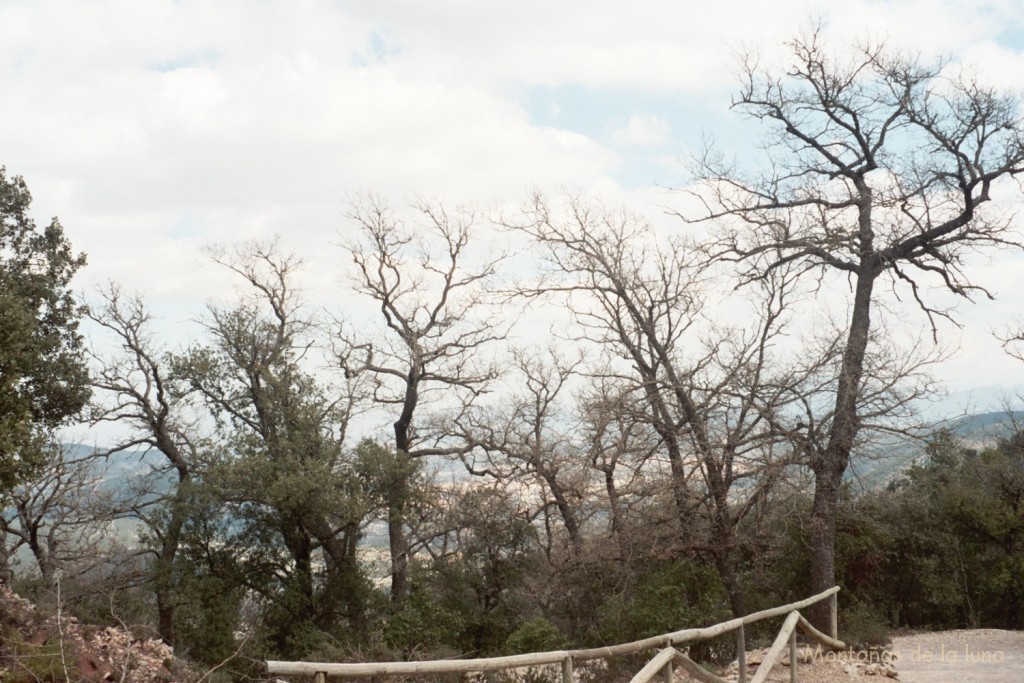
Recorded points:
(975, 401)
(127, 468)
(868, 470)
(878, 468)
(987, 426)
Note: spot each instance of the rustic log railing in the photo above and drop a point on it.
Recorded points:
(663, 662)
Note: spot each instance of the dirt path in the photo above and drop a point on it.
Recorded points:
(989, 655)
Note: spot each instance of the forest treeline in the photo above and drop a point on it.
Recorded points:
(652, 426)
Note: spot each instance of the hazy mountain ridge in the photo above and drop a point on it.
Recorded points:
(869, 471)
(980, 430)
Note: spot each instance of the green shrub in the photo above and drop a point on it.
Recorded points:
(536, 635)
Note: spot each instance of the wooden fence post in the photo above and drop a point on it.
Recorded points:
(792, 656)
(666, 673)
(833, 605)
(320, 677)
(741, 654)
(567, 670)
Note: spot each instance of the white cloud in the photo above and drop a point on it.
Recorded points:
(153, 127)
(643, 130)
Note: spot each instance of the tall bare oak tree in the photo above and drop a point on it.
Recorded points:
(433, 298)
(717, 397)
(878, 167)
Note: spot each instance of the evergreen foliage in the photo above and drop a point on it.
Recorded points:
(43, 376)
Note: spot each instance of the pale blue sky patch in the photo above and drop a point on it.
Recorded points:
(379, 47)
(653, 134)
(1012, 35)
(186, 227)
(204, 58)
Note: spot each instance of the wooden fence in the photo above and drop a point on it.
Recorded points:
(662, 663)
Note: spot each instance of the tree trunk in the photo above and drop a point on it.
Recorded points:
(300, 547)
(344, 582)
(823, 544)
(727, 572)
(399, 546)
(618, 528)
(42, 548)
(165, 615)
(830, 465)
(397, 539)
(47, 567)
(356, 602)
(565, 511)
(725, 543)
(164, 575)
(164, 583)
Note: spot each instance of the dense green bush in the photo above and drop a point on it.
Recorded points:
(941, 547)
(536, 635)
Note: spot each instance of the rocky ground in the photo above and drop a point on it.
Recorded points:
(35, 648)
(821, 666)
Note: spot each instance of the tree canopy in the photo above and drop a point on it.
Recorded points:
(43, 376)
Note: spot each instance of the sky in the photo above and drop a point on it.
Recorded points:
(153, 128)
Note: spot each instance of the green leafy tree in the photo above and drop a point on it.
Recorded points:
(979, 497)
(939, 548)
(483, 575)
(43, 377)
(278, 466)
(925, 579)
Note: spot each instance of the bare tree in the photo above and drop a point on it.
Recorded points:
(433, 298)
(878, 169)
(136, 385)
(524, 439)
(716, 398)
(1013, 340)
(619, 446)
(63, 516)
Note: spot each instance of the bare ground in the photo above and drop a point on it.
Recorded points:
(990, 655)
(817, 666)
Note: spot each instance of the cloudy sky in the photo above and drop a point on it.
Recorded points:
(153, 127)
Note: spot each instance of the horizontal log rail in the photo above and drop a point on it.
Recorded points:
(565, 658)
(786, 635)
